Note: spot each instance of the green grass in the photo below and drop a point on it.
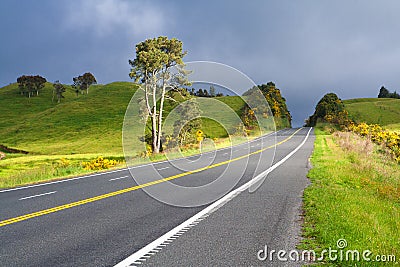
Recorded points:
(382, 111)
(355, 195)
(84, 124)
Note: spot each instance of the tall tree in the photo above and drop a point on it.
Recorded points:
(200, 93)
(330, 105)
(212, 91)
(383, 93)
(77, 85)
(152, 68)
(87, 80)
(83, 82)
(59, 89)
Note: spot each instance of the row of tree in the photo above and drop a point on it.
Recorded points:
(204, 93)
(30, 85)
(384, 93)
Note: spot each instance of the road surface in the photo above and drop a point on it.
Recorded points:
(107, 219)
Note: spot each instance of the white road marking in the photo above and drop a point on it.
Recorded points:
(160, 169)
(44, 194)
(119, 178)
(140, 255)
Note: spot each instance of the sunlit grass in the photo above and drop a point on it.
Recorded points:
(355, 195)
(382, 111)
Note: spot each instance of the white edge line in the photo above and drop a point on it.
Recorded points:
(208, 210)
(133, 167)
(118, 178)
(49, 193)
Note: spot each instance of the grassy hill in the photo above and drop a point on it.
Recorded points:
(382, 111)
(79, 124)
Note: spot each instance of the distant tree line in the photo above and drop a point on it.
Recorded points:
(384, 93)
(204, 93)
(30, 85)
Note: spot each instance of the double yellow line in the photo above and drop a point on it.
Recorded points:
(129, 189)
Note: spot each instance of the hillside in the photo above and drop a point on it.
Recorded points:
(382, 111)
(79, 124)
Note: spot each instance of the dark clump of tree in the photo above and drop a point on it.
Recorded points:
(276, 103)
(83, 82)
(59, 89)
(329, 109)
(30, 85)
(384, 93)
(205, 93)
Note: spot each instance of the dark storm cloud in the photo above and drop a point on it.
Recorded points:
(307, 48)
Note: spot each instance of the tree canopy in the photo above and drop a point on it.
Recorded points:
(29, 84)
(83, 82)
(384, 93)
(59, 89)
(329, 109)
(276, 103)
(152, 68)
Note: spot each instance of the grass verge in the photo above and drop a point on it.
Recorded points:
(355, 195)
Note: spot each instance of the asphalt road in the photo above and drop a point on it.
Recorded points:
(102, 219)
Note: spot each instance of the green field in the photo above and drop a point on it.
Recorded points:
(382, 111)
(78, 125)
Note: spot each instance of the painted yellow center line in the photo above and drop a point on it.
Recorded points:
(129, 189)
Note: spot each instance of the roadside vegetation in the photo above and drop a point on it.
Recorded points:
(355, 195)
(355, 175)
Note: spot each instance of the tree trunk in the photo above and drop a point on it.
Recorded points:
(160, 114)
(156, 148)
(154, 131)
(87, 89)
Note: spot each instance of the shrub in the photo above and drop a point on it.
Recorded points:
(99, 164)
(388, 139)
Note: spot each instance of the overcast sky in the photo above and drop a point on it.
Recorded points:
(308, 48)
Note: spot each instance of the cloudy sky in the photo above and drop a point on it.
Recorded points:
(308, 48)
